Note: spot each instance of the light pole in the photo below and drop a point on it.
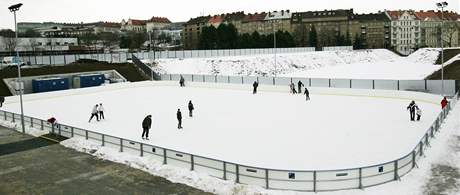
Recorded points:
(442, 5)
(274, 43)
(14, 9)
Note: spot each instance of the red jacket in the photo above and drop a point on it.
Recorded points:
(443, 103)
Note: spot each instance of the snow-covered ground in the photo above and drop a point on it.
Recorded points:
(359, 64)
(336, 129)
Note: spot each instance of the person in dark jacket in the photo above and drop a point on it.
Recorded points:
(292, 86)
(190, 108)
(307, 94)
(255, 85)
(179, 119)
(2, 99)
(146, 124)
(412, 107)
(299, 86)
(94, 113)
(182, 81)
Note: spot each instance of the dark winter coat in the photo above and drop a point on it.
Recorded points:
(190, 106)
(300, 84)
(307, 93)
(443, 103)
(147, 122)
(179, 115)
(412, 107)
(255, 85)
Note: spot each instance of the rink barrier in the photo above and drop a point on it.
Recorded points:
(275, 179)
(124, 57)
(428, 86)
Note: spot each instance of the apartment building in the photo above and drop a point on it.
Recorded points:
(374, 28)
(157, 23)
(405, 31)
(328, 24)
(191, 31)
(134, 25)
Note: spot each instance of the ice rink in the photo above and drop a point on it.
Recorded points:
(272, 129)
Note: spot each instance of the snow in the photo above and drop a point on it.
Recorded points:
(358, 64)
(339, 128)
(443, 150)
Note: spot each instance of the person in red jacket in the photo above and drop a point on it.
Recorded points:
(444, 103)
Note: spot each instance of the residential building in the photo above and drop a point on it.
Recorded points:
(253, 22)
(157, 23)
(329, 24)
(38, 44)
(134, 25)
(373, 28)
(111, 27)
(405, 31)
(191, 31)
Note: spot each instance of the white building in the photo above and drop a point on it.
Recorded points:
(405, 31)
(37, 44)
(157, 23)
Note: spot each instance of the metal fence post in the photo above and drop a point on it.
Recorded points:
(309, 81)
(192, 77)
(351, 86)
(266, 179)
(421, 148)
(373, 84)
(12, 114)
(215, 78)
(396, 170)
(204, 78)
(228, 79)
(360, 178)
(314, 181)
(31, 122)
(192, 161)
(329, 83)
(242, 80)
(413, 159)
(4, 114)
(41, 123)
(86, 134)
(398, 85)
(103, 139)
(142, 149)
(52, 129)
(165, 160)
(225, 170)
(71, 131)
(59, 129)
(121, 144)
(237, 173)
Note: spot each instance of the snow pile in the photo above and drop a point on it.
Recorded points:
(172, 173)
(261, 65)
(424, 56)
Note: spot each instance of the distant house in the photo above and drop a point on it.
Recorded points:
(111, 27)
(157, 23)
(134, 25)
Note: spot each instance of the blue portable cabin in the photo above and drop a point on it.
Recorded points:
(49, 84)
(88, 80)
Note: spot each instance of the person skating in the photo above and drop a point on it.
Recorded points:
(94, 113)
(307, 94)
(190, 108)
(53, 122)
(419, 113)
(412, 107)
(146, 124)
(254, 86)
(182, 81)
(101, 111)
(2, 99)
(293, 91)
(299, 86)
(179, 119)
(444, 102)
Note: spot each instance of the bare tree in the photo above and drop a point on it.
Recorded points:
(450, 30)
(10, 43)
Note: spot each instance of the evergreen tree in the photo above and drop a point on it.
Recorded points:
(313, 37)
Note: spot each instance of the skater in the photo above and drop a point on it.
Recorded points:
(299, 86)
(444, 103)
(146, 124)
(419, 113)
(412, 107)
(182, 81)
(190, 108)
(255, 85)
(2, 99)
(53, 122)
(94, 113)
(101, 111)
(179, 119)
(293, 91)
(307, 94)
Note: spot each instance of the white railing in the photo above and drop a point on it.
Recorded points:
(298, 180)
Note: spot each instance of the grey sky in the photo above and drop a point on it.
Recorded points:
(182, 10)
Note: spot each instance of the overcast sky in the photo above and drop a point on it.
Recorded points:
(182, 10)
